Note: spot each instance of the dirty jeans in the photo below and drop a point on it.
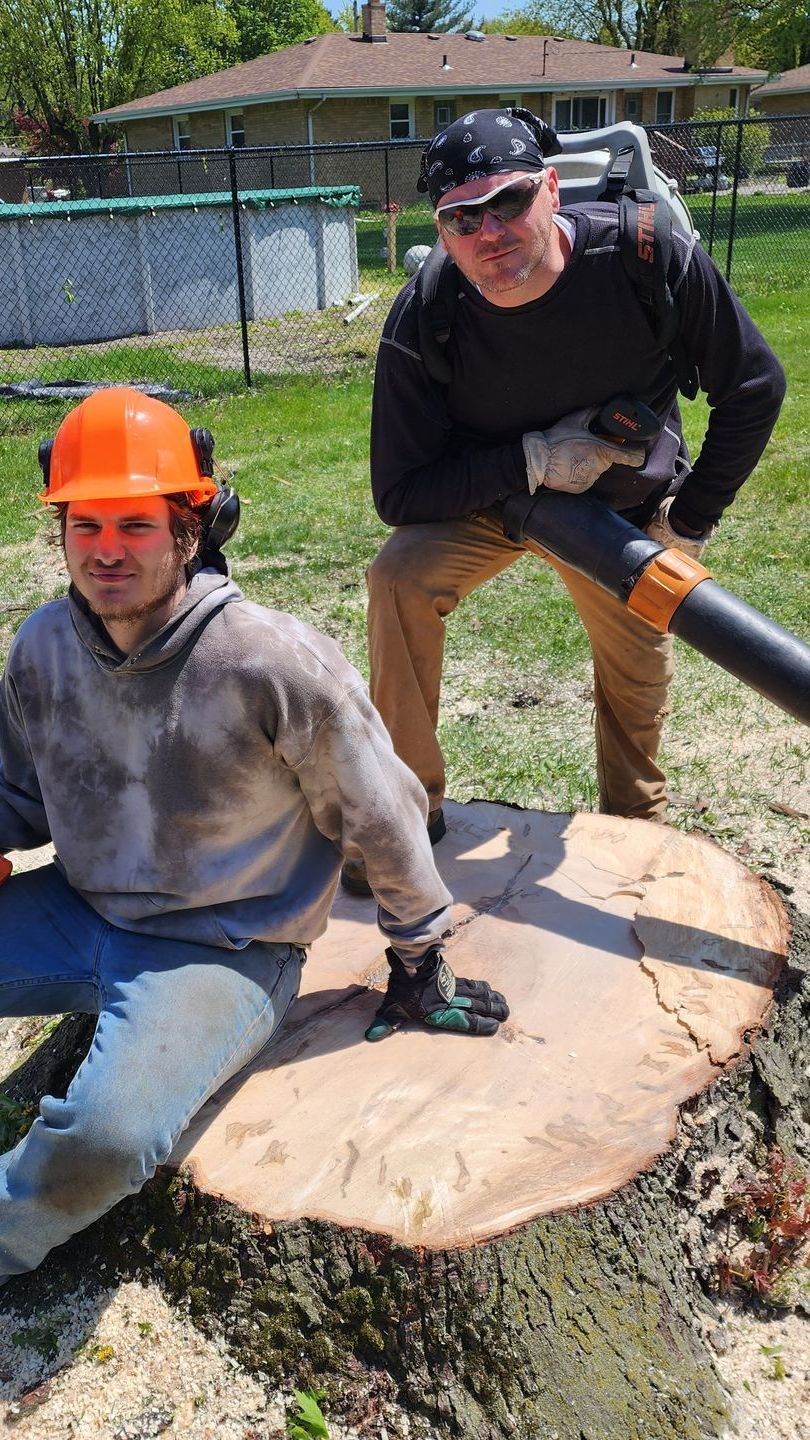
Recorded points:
(176, 1020)
(419, 577)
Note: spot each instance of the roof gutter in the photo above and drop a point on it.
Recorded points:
(774, 92)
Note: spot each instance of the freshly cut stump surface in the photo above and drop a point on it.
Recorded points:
(636, 960)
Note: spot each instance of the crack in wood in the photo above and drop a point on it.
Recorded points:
(674, 1011)
(492, 904)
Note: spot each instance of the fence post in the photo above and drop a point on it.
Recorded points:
(733, 216)
(387, 185)
(391, 238)
(715, 187)
(240, 270)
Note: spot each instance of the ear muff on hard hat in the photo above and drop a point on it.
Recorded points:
(121, 444)
(221, 515)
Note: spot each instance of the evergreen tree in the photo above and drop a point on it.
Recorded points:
(429, 15)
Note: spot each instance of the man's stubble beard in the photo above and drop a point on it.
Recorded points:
(128, 615)
(500, 285)
(509, 282)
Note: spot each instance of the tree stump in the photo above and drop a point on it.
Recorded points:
(506, 1235)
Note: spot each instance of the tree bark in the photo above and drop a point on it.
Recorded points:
(580, 1325)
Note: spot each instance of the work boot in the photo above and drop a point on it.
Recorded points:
(353, 874)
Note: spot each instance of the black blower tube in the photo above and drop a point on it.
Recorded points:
(584, 533)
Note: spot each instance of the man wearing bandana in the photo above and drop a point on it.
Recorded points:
(546, 329)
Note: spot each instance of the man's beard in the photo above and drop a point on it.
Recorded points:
(130, 614)
(497, 286)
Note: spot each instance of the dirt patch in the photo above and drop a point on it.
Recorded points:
(749, 788)
(317, 342)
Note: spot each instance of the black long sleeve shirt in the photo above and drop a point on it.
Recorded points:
(440, 452)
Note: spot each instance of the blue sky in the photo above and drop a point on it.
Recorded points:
(488, 9)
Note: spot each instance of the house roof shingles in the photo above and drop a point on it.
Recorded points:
(790, 82)
(343, 64)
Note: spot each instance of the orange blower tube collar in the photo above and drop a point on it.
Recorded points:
(667, 580)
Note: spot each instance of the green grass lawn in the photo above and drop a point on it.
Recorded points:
(771, 246)
(516, 717)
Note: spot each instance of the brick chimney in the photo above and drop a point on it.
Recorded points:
(374, 22)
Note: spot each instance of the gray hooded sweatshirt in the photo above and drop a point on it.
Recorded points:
(206, 787)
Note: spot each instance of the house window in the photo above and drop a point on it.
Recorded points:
(664, 105)
(182, 132)
(732, 99)
(580, 112)
(632, 107)
(235, 128)
(444, 113)
(401, 120)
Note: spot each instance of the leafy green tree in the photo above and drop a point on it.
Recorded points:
(343, 18)
(537, 17)
(774, 34)
(265, 25)
(63, 60)
(429, 15)
(708, 30)
(628, 24)
(662, 26)
(753, 142)
(777, 36)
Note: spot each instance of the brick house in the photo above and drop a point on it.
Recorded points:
(379, 85)
(788, 94)
(786, 101)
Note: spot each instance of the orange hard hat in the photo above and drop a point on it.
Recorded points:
(120, 443)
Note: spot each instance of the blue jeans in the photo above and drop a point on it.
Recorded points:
(176, 1020)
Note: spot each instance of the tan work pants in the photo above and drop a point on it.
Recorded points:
(419, 577)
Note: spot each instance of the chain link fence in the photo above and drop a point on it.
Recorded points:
(746, 185)
(198, 272)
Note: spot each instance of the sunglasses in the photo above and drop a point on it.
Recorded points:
(512, 200)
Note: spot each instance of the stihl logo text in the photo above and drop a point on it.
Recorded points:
(645, 234)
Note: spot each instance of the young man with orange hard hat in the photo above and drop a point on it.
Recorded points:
(201, 765)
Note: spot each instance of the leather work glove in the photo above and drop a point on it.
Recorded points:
(660, 530)
(569, 457)
(435, 997)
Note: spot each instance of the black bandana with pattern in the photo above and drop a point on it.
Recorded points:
(484, 142)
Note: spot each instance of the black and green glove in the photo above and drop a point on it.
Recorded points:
(434, 996)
